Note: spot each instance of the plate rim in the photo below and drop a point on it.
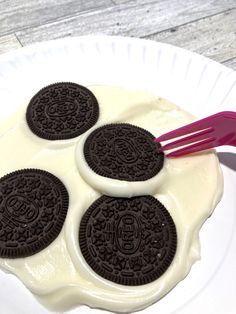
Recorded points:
(70, 39)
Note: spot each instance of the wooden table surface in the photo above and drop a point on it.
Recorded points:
(207, 27)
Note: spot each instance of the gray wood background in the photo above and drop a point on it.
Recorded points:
(204, 26)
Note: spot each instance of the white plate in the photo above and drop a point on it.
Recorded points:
(197, 84)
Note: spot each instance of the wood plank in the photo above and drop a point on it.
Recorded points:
(19, 14)
(213, 37)
(231, 63)
(8, 43)
(120, 1)
(131, 19)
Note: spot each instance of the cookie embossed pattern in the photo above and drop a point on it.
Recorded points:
(123, 152)
(33, 207)
(62, 111)
(128, 241)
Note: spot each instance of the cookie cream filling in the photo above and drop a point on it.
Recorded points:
(189, 187)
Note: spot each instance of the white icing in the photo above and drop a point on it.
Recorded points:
(189, 187)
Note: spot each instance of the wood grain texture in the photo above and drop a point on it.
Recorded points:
(21, 14)
(120, 1)
(231, 63)
(8, 43)
(213, 37)
(135, 18)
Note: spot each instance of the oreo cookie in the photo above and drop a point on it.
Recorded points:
(130, 241)
(123, 152)
(33, 208)
(62, 111)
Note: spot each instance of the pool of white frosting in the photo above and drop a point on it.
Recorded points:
(189, 187)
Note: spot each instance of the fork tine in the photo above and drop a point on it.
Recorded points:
(196, 147)
(196, 137)
(199, 125)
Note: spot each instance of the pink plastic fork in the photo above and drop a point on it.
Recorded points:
(213, 131)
